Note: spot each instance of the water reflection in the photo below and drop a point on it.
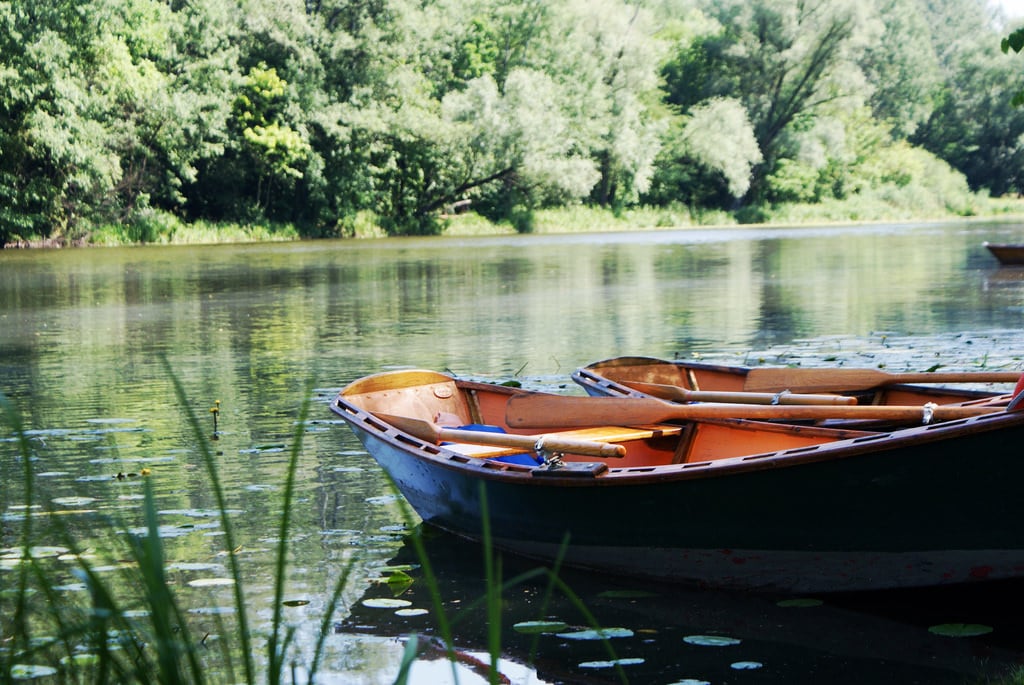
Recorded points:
(82, 334)
(671, 634)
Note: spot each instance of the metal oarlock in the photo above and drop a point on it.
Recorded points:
(551, 458)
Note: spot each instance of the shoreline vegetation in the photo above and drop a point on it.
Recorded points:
(130, 122)
(579, 219)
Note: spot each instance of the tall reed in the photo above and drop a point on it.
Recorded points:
(137, 632)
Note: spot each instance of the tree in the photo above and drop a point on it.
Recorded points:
(902, 67)
(976, 127)
(276, 150)
(709, 158)
(783, 60)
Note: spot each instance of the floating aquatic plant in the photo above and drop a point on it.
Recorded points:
(800, 602)
(386, 603)
(597, 634)
(960, 629)
(407, 613)
(537, 627)
(711, 640)
(745, 665)
(626, 661)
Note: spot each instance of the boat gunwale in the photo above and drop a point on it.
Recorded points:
(1007, 254)
(437, 455)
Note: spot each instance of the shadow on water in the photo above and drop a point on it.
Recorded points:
(671, 634)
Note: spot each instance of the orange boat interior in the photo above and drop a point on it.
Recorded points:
(439, 399)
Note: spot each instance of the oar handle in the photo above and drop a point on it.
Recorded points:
(677, 394)
(533, 443)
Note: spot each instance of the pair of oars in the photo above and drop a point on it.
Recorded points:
(545, 411)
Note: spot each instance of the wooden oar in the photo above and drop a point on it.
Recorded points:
(839, 380)
(677, 394)
(547, 411)
(431, 432)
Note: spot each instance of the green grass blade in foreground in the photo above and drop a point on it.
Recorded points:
(229, 536)
(443, 624)
(165, 616)
(325, 623)
(276, 650)
(412, 648)
(592, 620)
(19, 625)
(492, 597)
(492, 577)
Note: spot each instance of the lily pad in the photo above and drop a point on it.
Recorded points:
(399, 582)
(83, 659)
(628, 661)
(800, 602)
(746, 665)
(598, 634)
(411, 612)
(194, 566)
(386, 603)
(31, 671)
(382, 499)
(210, 582)
(536, 627)
(960, 629)
(711, 640)
(399, 567)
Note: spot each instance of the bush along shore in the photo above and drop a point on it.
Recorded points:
(122, 118)
(580, 219)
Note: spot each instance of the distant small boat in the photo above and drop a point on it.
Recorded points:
(1010, 254)
(687, 498)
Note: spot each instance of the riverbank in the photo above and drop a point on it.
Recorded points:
(166, 229)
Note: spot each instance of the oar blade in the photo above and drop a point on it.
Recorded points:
(772, 379)
(560, 411)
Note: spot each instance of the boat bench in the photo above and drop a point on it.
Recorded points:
(612, 434)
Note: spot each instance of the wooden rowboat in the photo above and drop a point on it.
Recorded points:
(721, 502)
(1007, 254)
(649, 376)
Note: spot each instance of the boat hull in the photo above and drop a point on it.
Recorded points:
(1008, 254)
(917, 507)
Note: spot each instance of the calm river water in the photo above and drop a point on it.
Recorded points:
(261, 329)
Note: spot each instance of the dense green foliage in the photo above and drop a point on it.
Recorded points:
(330, 114)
